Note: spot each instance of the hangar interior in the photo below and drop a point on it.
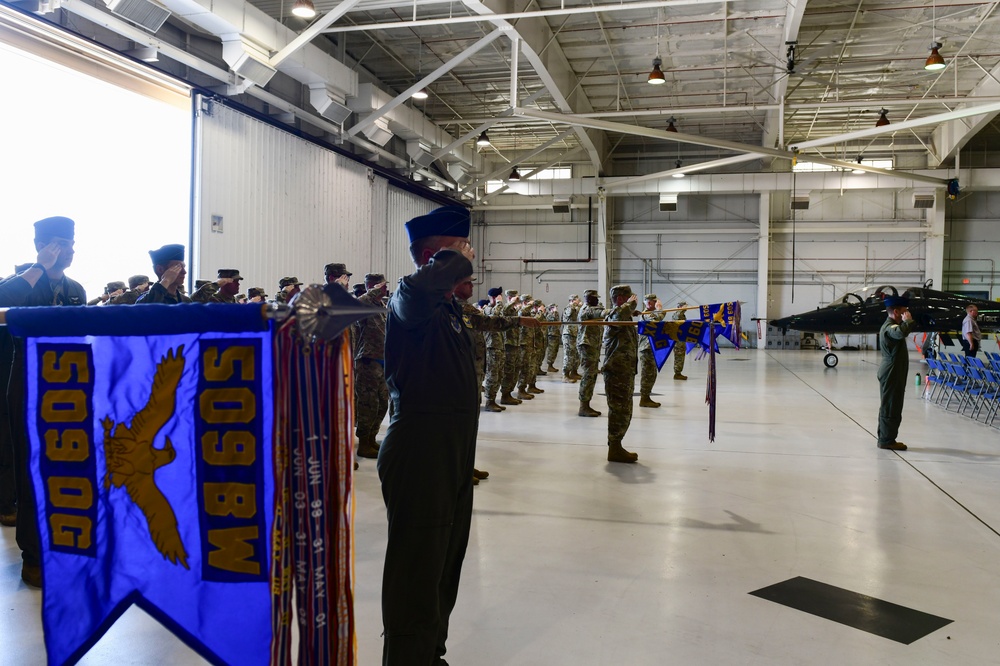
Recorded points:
(761, 169)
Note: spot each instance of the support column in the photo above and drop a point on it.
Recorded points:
(603, 250)
(934, 243)
(763, 262)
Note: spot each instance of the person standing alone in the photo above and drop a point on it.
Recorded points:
(894, 371)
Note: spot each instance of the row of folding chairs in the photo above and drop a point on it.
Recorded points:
(970, 387)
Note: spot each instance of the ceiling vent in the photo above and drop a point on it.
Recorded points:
(560, 205)
(668, 203)
(329, 104)
(378, 132)
(800, 201)
(923, 200)
(418, 152)
(141, 12)
(248, 60)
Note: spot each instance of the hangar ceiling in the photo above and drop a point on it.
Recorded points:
(564, 82)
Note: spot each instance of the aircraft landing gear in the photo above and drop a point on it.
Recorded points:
(830, 360)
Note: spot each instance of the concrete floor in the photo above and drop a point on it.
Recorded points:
(577, 561)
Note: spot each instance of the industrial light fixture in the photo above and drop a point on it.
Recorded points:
(304, 9)
(856, 169)
(882, 119)
(656, 76)
(680, 174)
(420, 94)
(935, 60)
(514, 175)
(483, 140)
(670, 124)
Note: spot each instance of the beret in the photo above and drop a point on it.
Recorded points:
(482, 302)
(495, 291)
(444, 221)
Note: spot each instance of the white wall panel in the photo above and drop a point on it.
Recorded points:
(289, 207)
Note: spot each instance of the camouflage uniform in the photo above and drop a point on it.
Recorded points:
(620, 360)
(527, 365)
(512, 350)
(486, 331)
(541, 341)
(588, 342)
(133, 293)
(681, 348)
(571, 357)
(371, 394)
(647, 364)
(553, 335)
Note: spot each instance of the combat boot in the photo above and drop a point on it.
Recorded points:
(618, 454)
(367, 447)
(576, 375)
(535, 389)
(678, 376)
(540, 373)
(507, 399)
(480, 473)
(552, 368)
(645, 401)
(585, 409)
(570, 379)
(523, 394)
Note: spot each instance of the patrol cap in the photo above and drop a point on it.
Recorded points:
(682, 304)
(495, 291)
(115, 286)
(525, 298)
(896, 301)
(372, 279)
(650, 297)
(166, 254)
(482, 301)
(537, 302)
(510, 293)
(256, 291)
(358, 289)
(288, 282)
(336, 270)
(137, 280)
(54, 227)
(590, 292)
(240, 297)
(230, 273)
(573, 297)
(198, 284)
(444, 221)
(621, 290)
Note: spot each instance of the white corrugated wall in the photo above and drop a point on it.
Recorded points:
(288, 207)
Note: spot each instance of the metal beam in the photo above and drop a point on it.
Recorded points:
(433, 76)
(895, 127)
(517, 160)
(514, 16)
(699, 166)
(312, 31)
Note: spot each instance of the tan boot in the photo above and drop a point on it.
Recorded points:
(552, 368)
(475, 481)
(570, 379)
(678, 376)
(577, 376)
(368, 447)
(480, 473)
(492, 406)
(585, 409)
(507, 399)
(618, 454)
(645, 401)
(523, 394)
(535, 389)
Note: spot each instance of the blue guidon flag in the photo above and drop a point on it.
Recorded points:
(152, 463)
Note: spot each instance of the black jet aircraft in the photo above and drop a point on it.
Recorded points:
(863, 311)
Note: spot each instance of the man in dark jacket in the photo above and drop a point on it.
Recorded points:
(425, 462)
(168, 264)
(894, 371)
(43, 283)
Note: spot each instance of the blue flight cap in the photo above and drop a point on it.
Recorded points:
(54, 227)
(444, 221)
(482, 302)
(495, 292)
(166, 254)
(896, 302)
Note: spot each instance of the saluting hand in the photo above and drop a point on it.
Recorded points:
(171, 276)
(48, 255)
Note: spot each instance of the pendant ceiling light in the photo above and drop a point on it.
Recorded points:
(422, 93)
(514, 175)
(882, 119)
(935, 60)
(656, 76)
(857, 170)
(483, 140)
(304, 9)
(678, 166)
(670, 124)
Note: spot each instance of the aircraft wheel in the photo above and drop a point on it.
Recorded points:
(830, 360)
